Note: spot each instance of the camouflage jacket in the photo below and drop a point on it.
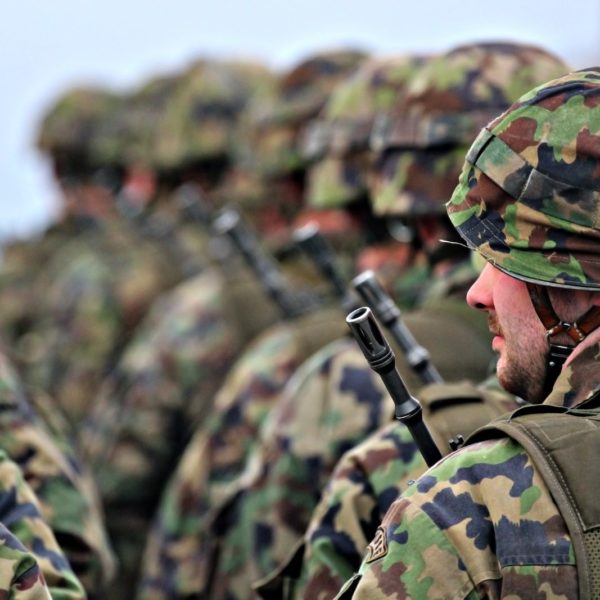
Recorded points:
(96, 289)
(479, 524)
(217, 453)
(332, 403)
(372, 475)
(22, 267)
(32, 564)
(32, 435)
(162, 389)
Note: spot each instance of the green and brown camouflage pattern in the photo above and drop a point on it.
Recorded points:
(481, 523)
(198, 119)
(33, 435)
(21, 577)
(32, 565)
(420, 141)
(333, 402)
(301, 93)
(371, 476)
(98, 288)
(337, 141)
(70, 123)
(528, 195)
(215, 458)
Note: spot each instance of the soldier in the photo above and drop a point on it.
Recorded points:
(164, 387)
(64, 138)
(33, 565)
(497, 518)
(295, 459)
(219, 447)
(263, 512)
(370, 476)
(178, 129)
(98, 285)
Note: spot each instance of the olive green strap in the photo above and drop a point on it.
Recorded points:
(457, 409)
(559, 443)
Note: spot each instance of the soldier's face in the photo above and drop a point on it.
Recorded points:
(519, 336)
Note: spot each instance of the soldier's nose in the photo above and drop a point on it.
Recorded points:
(479, 295)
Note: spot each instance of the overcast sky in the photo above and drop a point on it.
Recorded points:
(50, 45)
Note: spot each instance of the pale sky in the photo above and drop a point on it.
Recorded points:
(48, 46)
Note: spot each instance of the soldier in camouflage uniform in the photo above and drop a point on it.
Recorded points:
(64, 138)
(266, 510)
(164, 386)
(490, 520)
(370, 476)
(178, 129)
(257, 378)
(32, 564)
(33, 434)
(312, 426)
(95, 289)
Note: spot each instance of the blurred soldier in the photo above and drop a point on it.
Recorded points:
(181, 350)
(511, 517)
(32, 430)
(64, 138)
(420, 144)
(254, 540)
(97, 287)
(33, 565)
(163, 388)
(313, 423)
(34, 435)
(257, 378)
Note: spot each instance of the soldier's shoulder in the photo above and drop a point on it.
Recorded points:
(489, 452)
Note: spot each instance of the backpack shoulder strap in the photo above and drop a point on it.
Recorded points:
(459, 408)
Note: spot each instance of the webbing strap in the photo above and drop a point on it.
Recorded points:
(559, 442)
(577, 331)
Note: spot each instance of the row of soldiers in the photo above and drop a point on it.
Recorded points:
(185, 414)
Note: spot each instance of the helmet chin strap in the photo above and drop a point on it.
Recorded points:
(577, 331)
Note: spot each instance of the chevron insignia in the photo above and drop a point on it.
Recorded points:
(378, 547)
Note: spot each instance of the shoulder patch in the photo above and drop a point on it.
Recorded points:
(378, 547)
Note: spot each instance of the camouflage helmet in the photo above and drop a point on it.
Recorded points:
(69, 126)
(107, 142)
(275, 126)
(424, 140)
(198, 118)
(528, 198)
(259, 80)
(338, 140)
(139, 118)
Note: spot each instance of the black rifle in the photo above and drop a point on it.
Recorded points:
(230, 223)
(313, 243)
(197, 208)
(381, 359)
(162, 229)
(194, 204)
(386, 311)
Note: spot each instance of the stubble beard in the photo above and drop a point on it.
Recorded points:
(521, 367)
